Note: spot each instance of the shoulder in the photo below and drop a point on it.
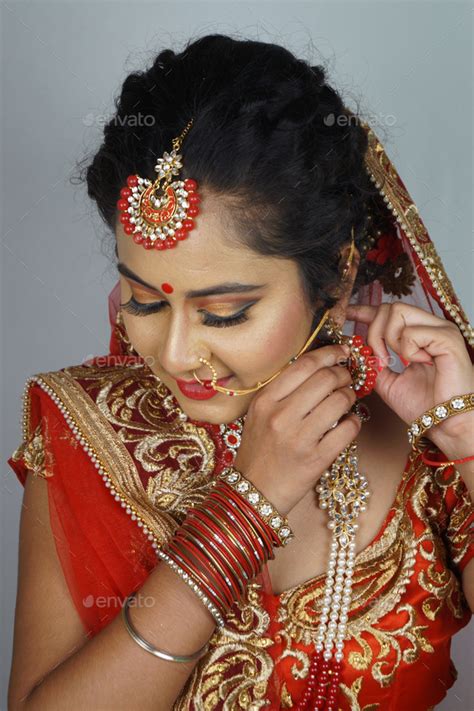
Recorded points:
(60, 384)
(54, 399)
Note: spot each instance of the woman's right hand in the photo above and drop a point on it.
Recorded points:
(287, 441)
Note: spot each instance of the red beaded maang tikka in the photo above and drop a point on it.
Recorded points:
(159, 214)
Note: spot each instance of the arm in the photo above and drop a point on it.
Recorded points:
(56, 666)
(468, 583)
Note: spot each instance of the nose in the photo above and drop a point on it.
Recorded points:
(180, 351)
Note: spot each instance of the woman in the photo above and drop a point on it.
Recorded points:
(287, 205)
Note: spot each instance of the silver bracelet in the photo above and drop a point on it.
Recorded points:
(153, 650)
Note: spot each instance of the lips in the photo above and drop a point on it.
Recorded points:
(195, 391)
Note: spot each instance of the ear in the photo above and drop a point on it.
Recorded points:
(338, 311)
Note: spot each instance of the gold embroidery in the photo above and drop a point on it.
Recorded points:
(381, 575)
(237, 669)
(236, 672)
(32, 451)
(285, 700)
(352, 695)
(121, 441)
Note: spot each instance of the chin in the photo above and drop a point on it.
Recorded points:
(218, 410)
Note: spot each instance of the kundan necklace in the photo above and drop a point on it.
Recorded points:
(343, 492)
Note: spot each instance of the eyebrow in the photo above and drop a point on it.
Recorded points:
(225, 288)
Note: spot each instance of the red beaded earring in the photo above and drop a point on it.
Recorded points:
(361, 359)
(363, 373)
(159, 214)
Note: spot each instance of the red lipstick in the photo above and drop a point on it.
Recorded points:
(195, 391)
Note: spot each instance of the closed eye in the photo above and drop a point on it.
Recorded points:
(136, 308)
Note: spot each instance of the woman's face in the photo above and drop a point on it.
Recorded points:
(272, 319)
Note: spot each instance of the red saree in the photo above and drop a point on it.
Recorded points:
(123, 466)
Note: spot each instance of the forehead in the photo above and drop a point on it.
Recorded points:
(209, 255)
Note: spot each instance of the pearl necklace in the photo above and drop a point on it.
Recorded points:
(343, 492)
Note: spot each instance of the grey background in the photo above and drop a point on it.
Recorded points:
(408, 64)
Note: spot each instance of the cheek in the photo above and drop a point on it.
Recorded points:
(276, 339)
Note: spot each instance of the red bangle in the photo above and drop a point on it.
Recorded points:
(204, 570)
(221, 564)
(245, 508)
(199, 530)
(206, 562)
(247, 545)
(222, 523)
(242, 502)
(204, 575)
(266, 532)
(251, 542)
(249, 529)
(235, 510)
(203, 580)
(205, 522)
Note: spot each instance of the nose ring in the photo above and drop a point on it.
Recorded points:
(214, 375)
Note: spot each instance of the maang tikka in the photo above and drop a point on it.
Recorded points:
(159, 214)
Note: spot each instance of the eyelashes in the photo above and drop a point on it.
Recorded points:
(135, 308)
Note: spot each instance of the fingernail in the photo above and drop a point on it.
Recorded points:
(404, 361)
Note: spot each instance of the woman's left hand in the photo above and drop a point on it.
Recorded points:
(439, 366)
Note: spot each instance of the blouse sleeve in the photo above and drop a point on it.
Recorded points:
(32, 455)
(458, 513)
(460, 527)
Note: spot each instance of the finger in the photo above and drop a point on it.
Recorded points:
(444, 344)
(326, 413)
(402, 317)
(361, 312)
(376, 333)
(315, 389)
(332, 443)
(296, 373)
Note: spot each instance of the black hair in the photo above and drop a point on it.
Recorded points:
(270, 137)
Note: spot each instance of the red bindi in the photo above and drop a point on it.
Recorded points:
(167, 288)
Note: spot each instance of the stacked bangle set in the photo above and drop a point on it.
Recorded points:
(223, 543)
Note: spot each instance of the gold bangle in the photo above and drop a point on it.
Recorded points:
(249, 492)
(454, 406)
(182, 658)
